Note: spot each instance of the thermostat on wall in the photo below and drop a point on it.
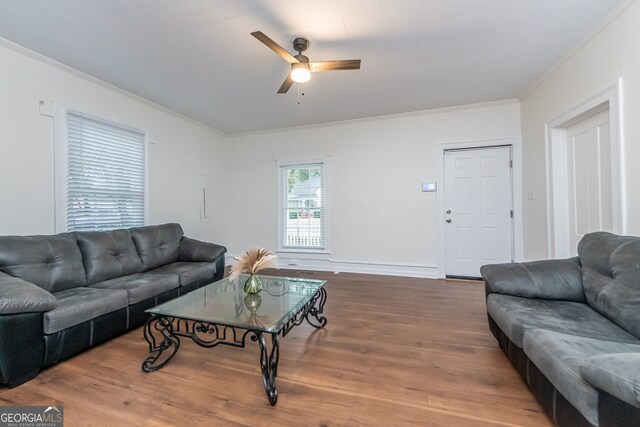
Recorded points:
(429, 187)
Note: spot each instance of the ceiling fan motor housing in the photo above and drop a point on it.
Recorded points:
(300, 44)
(302, 58)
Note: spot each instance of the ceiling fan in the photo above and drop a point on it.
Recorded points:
(301, 68)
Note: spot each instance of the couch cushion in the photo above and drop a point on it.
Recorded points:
(141, 286)
(52, 262)
(559, 357)
(78, 305)
(108, 254)
(514, 315)
(617, 374)
(157, 244)
(611, 277)
(188, 272)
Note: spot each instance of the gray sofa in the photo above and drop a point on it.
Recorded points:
(571, 328)
(64, 293)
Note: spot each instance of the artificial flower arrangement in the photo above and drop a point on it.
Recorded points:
(251, 262)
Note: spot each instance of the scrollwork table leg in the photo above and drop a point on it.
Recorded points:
(158, 331)
(269, 364)
(315, 312)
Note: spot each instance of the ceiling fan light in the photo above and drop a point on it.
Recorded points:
(300, 73)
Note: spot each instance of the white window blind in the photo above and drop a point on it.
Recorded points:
(105, 175)
(302, 212)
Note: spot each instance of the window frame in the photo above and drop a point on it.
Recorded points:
(281, 210)
(60, 172)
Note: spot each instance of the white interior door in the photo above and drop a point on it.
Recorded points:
(478, 209)
(590, 206)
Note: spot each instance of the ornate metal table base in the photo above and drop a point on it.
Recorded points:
(163, 332)
(269, 364)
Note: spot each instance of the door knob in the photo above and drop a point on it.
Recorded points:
(448, 219)
(448, 211)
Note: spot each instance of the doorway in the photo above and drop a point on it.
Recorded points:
(478, 209)
(585, 173)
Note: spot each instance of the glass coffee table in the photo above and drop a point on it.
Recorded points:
(222, 313)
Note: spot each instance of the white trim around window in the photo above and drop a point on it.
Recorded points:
(303, 228)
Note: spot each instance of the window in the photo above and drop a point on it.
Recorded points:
(303, 210)
(105, 175)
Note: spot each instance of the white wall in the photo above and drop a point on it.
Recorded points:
(613, 53)
(379, 219)
(182, 157)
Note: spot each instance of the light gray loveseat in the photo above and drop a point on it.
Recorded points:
(571, 329)
(61, 294)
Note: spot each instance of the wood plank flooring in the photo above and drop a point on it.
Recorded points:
(395, 352)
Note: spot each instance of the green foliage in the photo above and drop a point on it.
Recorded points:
(293, 179)
(304, 213)
(301, 175)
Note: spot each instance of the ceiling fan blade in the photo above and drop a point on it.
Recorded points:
(286, 84)
(346, 64)
(275, 47)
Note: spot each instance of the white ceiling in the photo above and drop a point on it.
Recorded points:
(196, 57)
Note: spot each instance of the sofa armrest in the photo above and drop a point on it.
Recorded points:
(192, 250)
(618, 374)
(549, 279)
(20, 296)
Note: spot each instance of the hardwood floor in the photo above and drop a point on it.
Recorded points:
(396, 351)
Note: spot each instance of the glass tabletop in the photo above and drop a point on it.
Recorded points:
(225, 303)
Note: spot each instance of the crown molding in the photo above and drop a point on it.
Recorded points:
(618, 10)
(440, 110)
(84, 76)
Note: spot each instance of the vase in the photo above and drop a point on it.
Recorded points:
(253, 285)
(252, 302)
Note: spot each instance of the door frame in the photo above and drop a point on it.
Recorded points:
(516, 187)
(555, 153)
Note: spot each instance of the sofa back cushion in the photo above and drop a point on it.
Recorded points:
(157, 244)
(52, 262)
(108, 254)
(611, 277)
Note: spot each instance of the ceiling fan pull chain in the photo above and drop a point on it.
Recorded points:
(299, 94)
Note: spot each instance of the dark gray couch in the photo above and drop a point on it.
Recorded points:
(64, 293)
(571, 328)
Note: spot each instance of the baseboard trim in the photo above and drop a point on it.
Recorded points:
(324, 263)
